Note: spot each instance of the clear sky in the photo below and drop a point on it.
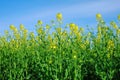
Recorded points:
(81, 12)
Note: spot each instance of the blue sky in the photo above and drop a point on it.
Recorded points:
(81, 12)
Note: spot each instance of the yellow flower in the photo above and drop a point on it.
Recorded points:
(25, 31)
(81, 29)
(99, 29)
(74, 56)
(53, 46)
(74, 52)
(72, 25)
(32, 34)
(64, 33)
(83, 46)
(47, 27)
(17, 36)
(49, 38)
(98, 16)
(118, 31)
(114, 25)
(76, 28)
(59, 16)
(110, 53)
(12, 27)
(119, 17)
(87, 42)
(40, 31)
(107, 28)
(59, 30)
(15, 30)
(21, 27)
(110, 44)
(17, 44)
(40, 22)
(37, 38)
(99, 36)
(88, 35)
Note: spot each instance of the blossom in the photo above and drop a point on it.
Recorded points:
(99, 28)
(39, 31)
(47, 26)
(118, 31)
(59, 16)
(81, 29)
(119, 17)
(110, 44)
(72, 25)
(12, 27)
(32, 34)
(114, 25)
(74, 56)
(40, 22)
(59, 30)
(21, 27)
(98, 16)
(25, 31)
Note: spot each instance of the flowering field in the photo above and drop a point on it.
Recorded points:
(55, 52)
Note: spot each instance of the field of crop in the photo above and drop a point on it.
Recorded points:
(55, 52)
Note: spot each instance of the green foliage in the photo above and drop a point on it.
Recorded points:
(61, 53)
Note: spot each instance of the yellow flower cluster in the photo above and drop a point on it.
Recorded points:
(17, 36)
(114, 25)
(25, 31)
(99, 36)
(99, 29)
(59, 16)
(118, 32)
(40, 31)
(81, 29)
(87, 42)
(83, 46)
(53, 45)
(49, 38)
(73, 27)
(98, 16)
(59, 30)
(74, 56)
(59, 46)
(47, 27)
(40, 22)
(110, 45)
(13, 28)
(119, 17)
(32, 34)
(22, 27)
